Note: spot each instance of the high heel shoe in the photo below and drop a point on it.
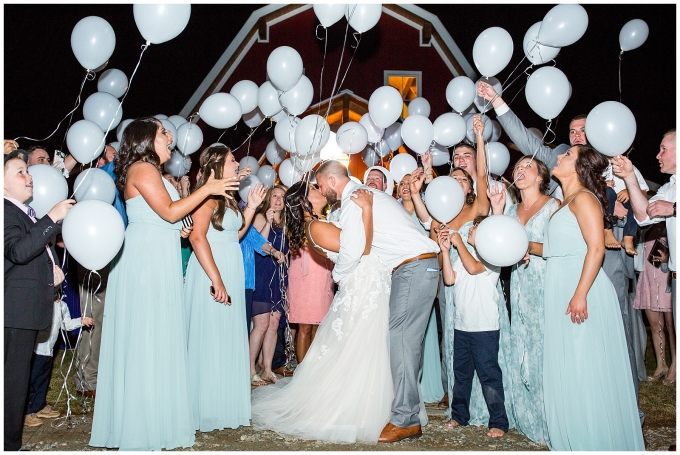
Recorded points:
(668, 382)
(658, 377)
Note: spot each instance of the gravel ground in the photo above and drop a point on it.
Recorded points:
(56, 436)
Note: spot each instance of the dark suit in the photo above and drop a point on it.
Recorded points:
(29, 301)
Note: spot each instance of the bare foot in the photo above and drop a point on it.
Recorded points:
(450, 425)
(495, 433)
(610, 241)
(628, 245)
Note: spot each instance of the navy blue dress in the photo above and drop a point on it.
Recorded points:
(267, 296)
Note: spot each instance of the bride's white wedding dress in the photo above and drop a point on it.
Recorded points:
(342, 391)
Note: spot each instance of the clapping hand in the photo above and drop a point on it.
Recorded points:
(256, 195)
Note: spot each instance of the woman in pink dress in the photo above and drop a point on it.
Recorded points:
(310, 293)
(652, 296)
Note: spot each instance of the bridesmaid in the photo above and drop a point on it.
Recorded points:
(214, 300)
(142, 393)
(587, 383)
(532, 179)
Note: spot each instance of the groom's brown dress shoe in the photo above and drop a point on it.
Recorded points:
(393, 433)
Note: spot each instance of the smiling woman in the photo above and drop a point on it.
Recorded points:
(142, 371)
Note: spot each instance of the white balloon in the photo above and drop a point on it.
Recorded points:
(170, 127)
(246, 184)
(178, 165)
(329, 13)
(267, 175)
(501, 240)
(382, 149)
(85, 141)
(121, 127)
(288, 174)
(189, 138)
(547, 91)
(94, 184)
(470, 132)
(161, 116)
(482, 104)
(311, 134)
(449, 129)
(444, 198)
(249, 161)
(284, 133)
(440, 155)
(161, 23)
(284, 68)
(363, 17)
(492, 51)
(306, 163)
(113, 81)
(297, 99)
(331, 151)
(563, 25)
(115, 145)
(274, 153)
(351, 137)
(497, 130)
(418, 133)
(102, 109)
(393, 136)
(268, 99)
(177, 120)
(402, 164)
(279, 116)
(498, 157)
(537, 53)
(93, 41)
(385, 106)
(246, 93)
(253, 118)
(419, 106)
(93, 233)
(460, 93)
(633, 34)
(49, 188)
(370, 157)
(220, 110)
(373, 131)
(611, 128)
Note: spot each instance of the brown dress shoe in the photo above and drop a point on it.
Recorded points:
(444, 402)
(88, 393)
(393, 433)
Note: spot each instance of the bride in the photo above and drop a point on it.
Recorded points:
(342, 391)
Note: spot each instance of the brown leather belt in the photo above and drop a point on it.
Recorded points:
(420, 257)
(674, 274)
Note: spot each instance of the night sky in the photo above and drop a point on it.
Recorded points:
(43, 77)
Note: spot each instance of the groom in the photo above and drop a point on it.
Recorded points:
(397, 240)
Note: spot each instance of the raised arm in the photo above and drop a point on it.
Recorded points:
(364, 199)
(482, 201)
(418, 177)
(145, 179)
(623, 168)
(255, 197)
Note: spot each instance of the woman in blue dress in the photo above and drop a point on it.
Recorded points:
(587, 383)
(525, 356)
(214, 303)
(142, 393)
(270, 279)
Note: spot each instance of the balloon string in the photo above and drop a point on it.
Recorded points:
(89, 75)
(510, 75)
(252, 131)
(620, 93)
(323, 64)
(505, 87)
(357, 38)
(342, 54)
(548, 125)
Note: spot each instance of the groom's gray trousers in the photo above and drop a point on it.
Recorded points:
(414, 287)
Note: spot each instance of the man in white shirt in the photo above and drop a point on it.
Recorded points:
(661, 207)
(398, 241)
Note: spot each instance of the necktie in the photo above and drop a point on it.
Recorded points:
(31, 212)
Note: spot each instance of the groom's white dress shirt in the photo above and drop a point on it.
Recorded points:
(396, 236)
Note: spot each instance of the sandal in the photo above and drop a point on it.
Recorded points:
(270, 378)
(450, 425)
(257, 381)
